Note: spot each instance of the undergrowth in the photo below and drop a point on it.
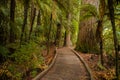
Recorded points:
(25, 61)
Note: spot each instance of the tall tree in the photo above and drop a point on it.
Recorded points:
(68, 42)
(112, 18)
(4, 29)
(86, 35)
(4, 22)
(38, 23)
(26, 7)
(33, 14)
(58, 34)
(39, 18)
(49, 34)
(12, 20)
(100, 28)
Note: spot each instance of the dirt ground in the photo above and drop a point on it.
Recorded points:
(48, 57)
(98, 73)
(92, 60)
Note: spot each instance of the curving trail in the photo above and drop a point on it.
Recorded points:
(67, 67)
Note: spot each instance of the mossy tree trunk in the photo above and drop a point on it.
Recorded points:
(49, 35)
(33, 14)
(68, 42)
(112, 18)
(26, 7)
(99, 29)
(38, 23)
(67, 38)
(86, 37)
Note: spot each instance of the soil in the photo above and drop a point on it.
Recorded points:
(48, 57)
(98, 73)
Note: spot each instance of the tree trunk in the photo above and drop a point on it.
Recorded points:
(12, 20)
(65, 39)
(99, 29)
(49, 33)
(4, 24)
(112, 18)
(33, 13)
(39, 18)
(38, 23)
(100, 40)
(86, 35)
(68, 39)
(24, 22)
(58, 35)
(68, 42)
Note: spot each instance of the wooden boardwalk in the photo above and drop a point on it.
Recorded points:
(67, 67)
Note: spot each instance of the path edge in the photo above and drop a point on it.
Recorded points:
(84, 63)
(40, 75)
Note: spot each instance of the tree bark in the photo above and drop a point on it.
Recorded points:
(58, 35)
(68, 39)
(86, 35)
(100, 40)
(39, 18)
(38, 23)
(26, 7)
(65, 39)
(49, 33)
(99, 30)
(4, 24)
(12, 20)
(112, 18)
(68, 42)
(33, 14)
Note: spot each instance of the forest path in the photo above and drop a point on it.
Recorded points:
(67, 67)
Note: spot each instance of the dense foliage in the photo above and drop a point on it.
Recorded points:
(27, 27)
